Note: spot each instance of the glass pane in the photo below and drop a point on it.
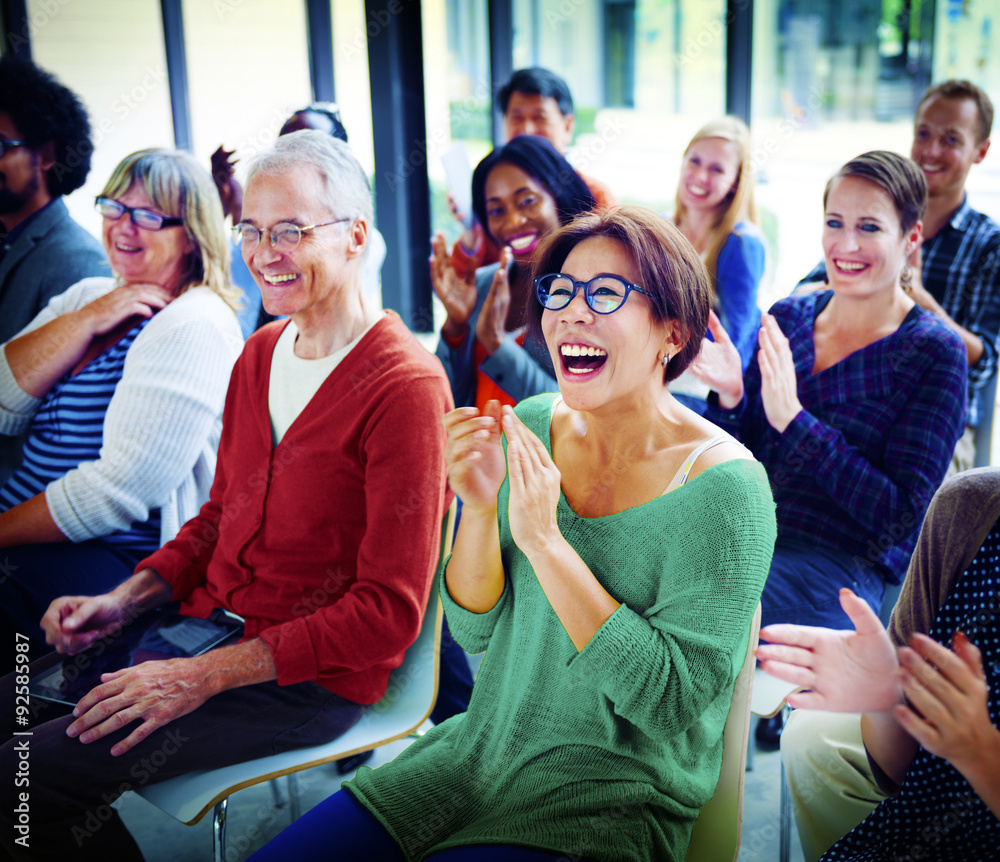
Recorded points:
(126, 93)
(457, 89)
(644, 74)
(240, 88)
(832, 80)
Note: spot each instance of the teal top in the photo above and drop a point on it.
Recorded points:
(608, 753)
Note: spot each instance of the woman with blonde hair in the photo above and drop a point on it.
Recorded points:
(715, 210)
(119, 384)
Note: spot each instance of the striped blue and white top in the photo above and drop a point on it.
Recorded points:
(68, 429)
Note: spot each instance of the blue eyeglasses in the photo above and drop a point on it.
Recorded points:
(604, 293)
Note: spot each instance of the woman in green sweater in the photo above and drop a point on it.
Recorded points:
(612, 550)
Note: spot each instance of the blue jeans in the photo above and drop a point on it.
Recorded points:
(341, 821)
(803, 583)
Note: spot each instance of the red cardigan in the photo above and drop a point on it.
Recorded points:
(326, 543)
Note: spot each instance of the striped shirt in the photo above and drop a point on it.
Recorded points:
(961, 270)
(68, 429)
(857, 467)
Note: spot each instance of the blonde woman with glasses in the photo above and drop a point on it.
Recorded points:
(119, 383)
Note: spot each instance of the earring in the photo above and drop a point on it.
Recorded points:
(906, 278)
(665, 359)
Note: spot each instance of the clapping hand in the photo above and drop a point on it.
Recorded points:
(778, 384)
(534, 487)
(946, 693)
(457, 295)
(843, 671)
(229, 189)
(474, 455)
(491, 327)
(718, 365)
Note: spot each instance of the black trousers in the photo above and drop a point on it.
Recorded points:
(71, 786)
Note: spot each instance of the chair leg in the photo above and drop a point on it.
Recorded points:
(219, 831)
(277, 800)
(294, 792)
(784, 847)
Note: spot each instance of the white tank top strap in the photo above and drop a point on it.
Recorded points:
(685, 470)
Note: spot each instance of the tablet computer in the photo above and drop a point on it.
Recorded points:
(158, 634)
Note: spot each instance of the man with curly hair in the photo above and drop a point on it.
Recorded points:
(45, 143)
(44, 154)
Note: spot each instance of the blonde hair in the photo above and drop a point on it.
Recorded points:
(739, 204)
(178, 186)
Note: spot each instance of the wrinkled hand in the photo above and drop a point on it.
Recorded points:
(534, 487)
(474, 455)
(778, 385)
(718, 364)
(491, 327)
(948, 693)
(74, 623)
(156, 692)
(458, 296)
(844, 671)
(125, 301)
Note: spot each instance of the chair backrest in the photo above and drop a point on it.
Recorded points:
(408, 700)
(984, 431)
(717, 831)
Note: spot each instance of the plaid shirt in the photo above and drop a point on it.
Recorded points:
(961, 270)
(856, 468)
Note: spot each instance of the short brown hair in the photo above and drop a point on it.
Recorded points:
(898, 176)
(955, 89)
(668, 268)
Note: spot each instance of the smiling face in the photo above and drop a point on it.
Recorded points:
(534, 114)
(141, 256)
(308, 277)
(862, 243)
(519, 209)
(605, 359)
(945, 143)
(708, 173)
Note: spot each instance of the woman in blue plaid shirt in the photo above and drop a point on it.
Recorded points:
(853, 402)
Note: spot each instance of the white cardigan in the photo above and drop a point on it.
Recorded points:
(162, 426)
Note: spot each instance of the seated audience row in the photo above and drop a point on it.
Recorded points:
(853, 403)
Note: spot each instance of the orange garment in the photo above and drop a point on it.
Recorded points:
(486, 389)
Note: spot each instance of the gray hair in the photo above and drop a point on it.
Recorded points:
(345, 185)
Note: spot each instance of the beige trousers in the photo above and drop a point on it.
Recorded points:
(832, 787)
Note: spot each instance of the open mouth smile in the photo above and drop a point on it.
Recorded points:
(580, 359)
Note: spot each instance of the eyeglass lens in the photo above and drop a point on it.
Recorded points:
(284, 235)
(604, 294)
(140, 217)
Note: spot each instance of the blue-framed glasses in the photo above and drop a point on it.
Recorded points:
(146, 219)
(604, 293)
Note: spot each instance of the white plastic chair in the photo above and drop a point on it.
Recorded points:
(719, 827)
(408, 700)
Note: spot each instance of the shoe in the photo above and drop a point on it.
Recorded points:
(768, 733)
(349, 764)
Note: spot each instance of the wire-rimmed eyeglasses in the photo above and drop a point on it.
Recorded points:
(284, 236)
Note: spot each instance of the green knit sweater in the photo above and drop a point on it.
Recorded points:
(608, 753)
